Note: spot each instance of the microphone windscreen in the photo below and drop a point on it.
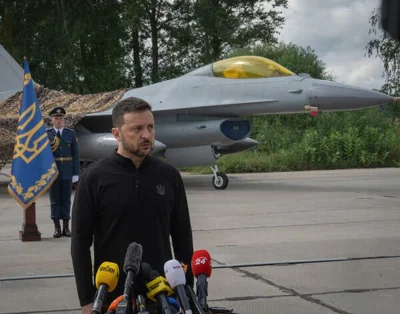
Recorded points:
(108, 273)
(153, 274)
(201, 263)
(145, 270)
(174, 303)
(174, 273)
(150, 275)
(133, 258)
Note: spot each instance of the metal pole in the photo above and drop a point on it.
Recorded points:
(221, 266)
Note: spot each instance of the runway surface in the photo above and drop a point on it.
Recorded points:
(271, 217)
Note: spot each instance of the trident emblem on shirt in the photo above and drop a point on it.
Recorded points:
(160, 189)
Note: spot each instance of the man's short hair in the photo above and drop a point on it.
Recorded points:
(127, 105)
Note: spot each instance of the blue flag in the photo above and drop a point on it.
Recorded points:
(33, 167)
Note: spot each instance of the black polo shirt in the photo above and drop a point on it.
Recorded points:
(116, 204)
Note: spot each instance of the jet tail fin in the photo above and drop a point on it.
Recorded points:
(11, 75)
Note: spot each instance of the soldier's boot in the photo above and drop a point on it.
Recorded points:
(57, 228)
(66, 232)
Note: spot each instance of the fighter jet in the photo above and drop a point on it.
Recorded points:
(199, 116)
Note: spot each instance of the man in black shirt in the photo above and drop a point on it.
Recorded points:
(128, 197)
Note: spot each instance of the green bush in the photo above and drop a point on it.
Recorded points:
(335, 140)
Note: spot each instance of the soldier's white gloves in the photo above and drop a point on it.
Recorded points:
(75, 179)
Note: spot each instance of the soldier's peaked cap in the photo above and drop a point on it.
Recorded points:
(57, 111)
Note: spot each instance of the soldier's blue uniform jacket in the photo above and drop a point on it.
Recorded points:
(66, 155)
(65, 151)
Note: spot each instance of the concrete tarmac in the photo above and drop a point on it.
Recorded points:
(267, 217)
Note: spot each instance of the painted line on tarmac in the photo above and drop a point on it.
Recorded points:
(220, 265)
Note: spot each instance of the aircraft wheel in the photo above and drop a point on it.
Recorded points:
(220, 181)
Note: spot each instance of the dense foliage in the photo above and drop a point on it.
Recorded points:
(365, 138)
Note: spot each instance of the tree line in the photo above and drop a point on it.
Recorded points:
(91, 46)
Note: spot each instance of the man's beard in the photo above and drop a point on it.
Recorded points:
(132, 149)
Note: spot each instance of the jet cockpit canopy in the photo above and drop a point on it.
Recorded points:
(243, 67)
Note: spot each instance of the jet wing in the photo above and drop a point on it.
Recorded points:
(11, 75)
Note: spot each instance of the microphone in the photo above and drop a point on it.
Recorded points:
(174, 304)
(140, 305)
(112, 309)
(131, 267)
(106, 281)
(193, 300)
(177, 280)
(202, 268)
(159, 291)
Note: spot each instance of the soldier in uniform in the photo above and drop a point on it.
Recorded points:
(64, 145)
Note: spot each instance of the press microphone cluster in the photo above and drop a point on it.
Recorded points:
(160, 289)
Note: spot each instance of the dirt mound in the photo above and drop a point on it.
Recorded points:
(76, 106)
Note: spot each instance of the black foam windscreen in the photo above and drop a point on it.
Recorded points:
(145, 270)
(133, 258)
(153, 274)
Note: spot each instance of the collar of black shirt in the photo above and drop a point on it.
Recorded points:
(127, 162)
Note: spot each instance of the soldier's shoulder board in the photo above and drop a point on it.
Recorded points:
(70, 130)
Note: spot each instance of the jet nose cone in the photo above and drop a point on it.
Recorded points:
(328, 95)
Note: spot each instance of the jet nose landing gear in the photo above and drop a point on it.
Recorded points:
(220, 180)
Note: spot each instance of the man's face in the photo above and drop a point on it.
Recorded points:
(137, 134)
(58, 121)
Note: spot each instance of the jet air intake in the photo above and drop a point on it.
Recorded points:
(235, 130)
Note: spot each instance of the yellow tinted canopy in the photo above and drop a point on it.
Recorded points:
(249, 67)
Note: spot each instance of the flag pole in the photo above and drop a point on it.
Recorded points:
(30, 231)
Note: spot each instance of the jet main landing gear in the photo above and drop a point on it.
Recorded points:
(220, 180)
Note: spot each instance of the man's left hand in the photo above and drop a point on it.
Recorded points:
(75, 179)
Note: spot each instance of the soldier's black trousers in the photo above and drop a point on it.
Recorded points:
(60, 199)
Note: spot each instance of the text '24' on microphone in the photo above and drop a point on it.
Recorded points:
(159, 291)
(177, 280)
(133, 258)
(202, 268)
(106, 281)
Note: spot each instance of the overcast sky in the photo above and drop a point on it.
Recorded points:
(338, 32)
